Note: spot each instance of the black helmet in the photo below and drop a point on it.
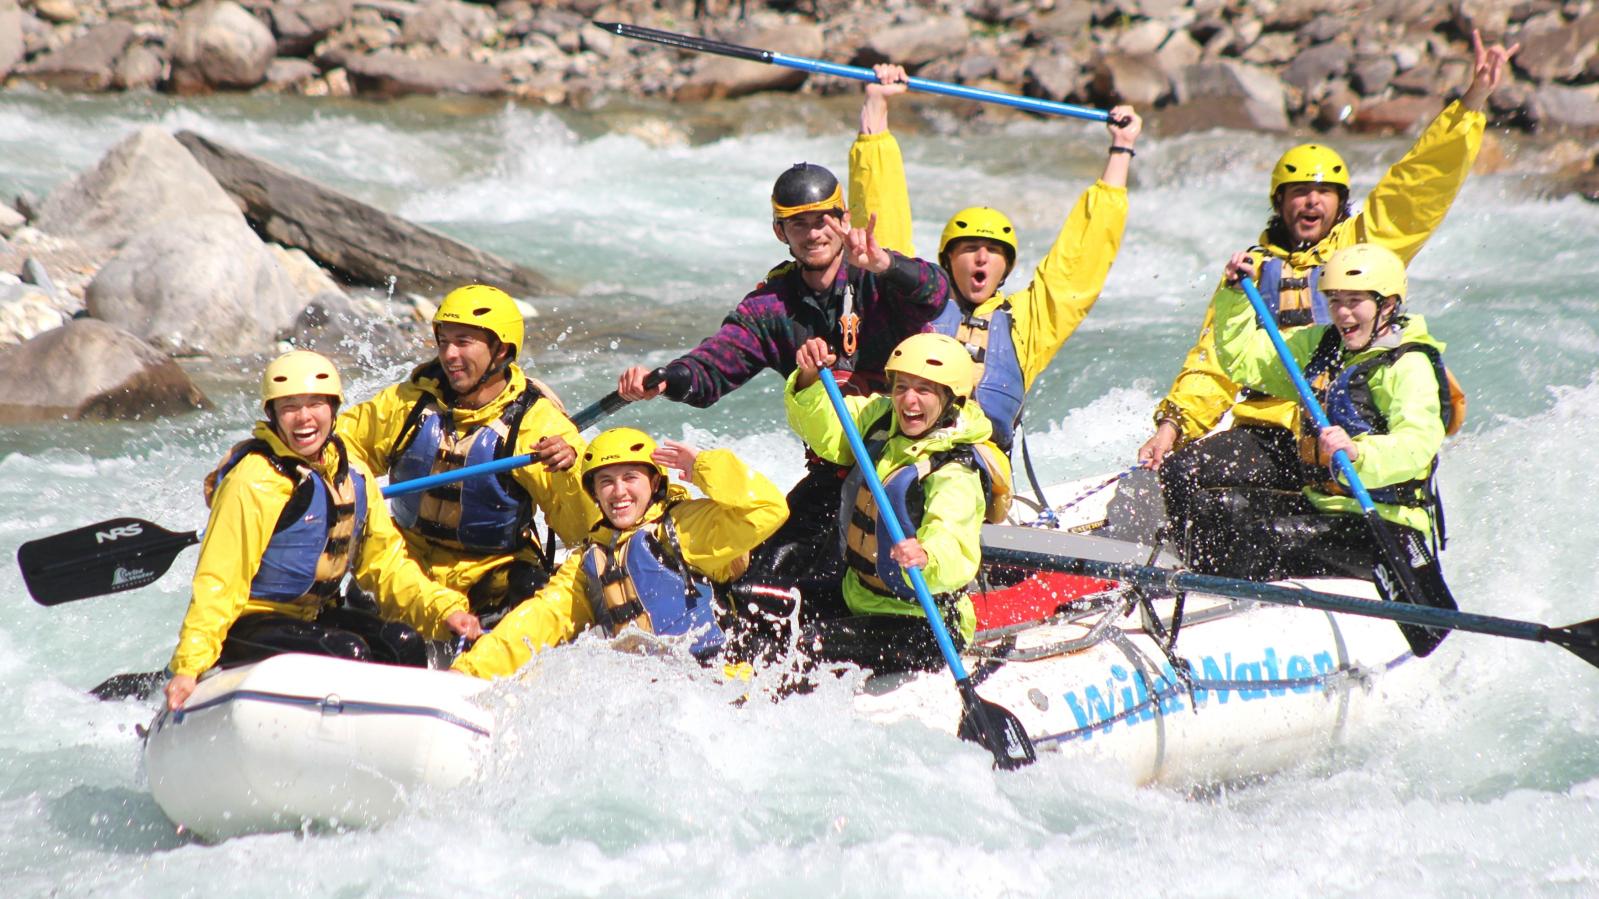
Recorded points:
(805, 188)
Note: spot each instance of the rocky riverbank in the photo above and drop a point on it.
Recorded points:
(1261, 64)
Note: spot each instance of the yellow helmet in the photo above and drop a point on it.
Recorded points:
(300, 372)
(481, 306)
(1312, 163)
(980, 221)
(1366, 266)
(616, 447)
(939, 358)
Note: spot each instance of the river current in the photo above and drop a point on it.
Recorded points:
(620, 777)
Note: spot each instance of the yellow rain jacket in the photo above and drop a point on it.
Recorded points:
(1065, 285)
(1401, 213)
(244, 511)
(953, 508)
(370, 430)
(740, 510)
(1406, 392)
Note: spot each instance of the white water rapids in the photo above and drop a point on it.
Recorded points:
(620, 776)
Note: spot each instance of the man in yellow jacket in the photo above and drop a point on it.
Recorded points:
(648, 568)
(291, 515)
(1311, 220)
(1012, 337)
(474, 404)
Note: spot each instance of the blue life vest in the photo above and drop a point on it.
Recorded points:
(1345, 394)
(863, 534)
(1000, 388)
(645, 585)
(317, 538)
(486, 515)
(1297, 312)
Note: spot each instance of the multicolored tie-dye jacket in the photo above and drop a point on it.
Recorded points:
(770, 323)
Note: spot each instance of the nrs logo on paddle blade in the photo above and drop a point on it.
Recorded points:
(126, 530)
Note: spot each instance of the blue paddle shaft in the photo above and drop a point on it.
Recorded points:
(588, 415)
(1306, 395)
(896, 533)
(1030, 104)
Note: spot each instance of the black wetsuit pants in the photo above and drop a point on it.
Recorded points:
(806, 546)
(338, 632)
(1234, 502)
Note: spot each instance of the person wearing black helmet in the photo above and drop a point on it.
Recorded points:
(839, 285)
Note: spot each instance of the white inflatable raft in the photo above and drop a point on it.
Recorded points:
(297, 739)
(1266, 686)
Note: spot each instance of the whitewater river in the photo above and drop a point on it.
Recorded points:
(616, 778)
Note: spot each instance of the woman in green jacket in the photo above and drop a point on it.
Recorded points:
(1380, 377)
(931, 449)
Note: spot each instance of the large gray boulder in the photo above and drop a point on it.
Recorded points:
(387, 75)
(86, 64)
(91, 370)
(220, 44)
(360, 242)
(145, 179)
(200, 284)
(716, 77)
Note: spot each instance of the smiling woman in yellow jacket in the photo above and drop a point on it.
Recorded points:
(648, 568)
(291, 515)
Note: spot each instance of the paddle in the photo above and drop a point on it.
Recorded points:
(128, 553)
(1581, 639)
(988, 724)
(772, 57)
(1393, 574)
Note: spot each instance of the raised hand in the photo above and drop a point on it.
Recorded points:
(678, 456)
(891, 80)
(1487, 70)
(860, 246)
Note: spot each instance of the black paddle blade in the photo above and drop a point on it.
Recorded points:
(1582, 639)
(136, 685)
(1398, 580)
(994, 728)
(108, 557)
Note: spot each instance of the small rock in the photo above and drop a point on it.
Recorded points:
(85, 64)
(716, 77)
(1138, 80)
(1370, 76)
(220, 44)
(58, 11)
(301, 26)
(12, 45)
(915, 44)
(288, 74)
(25, 312)
(1228, 95)
(1400, 115)
(1052, 77)
(10, 220)
(388, 74)
(1558, 108)
(140, 68)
